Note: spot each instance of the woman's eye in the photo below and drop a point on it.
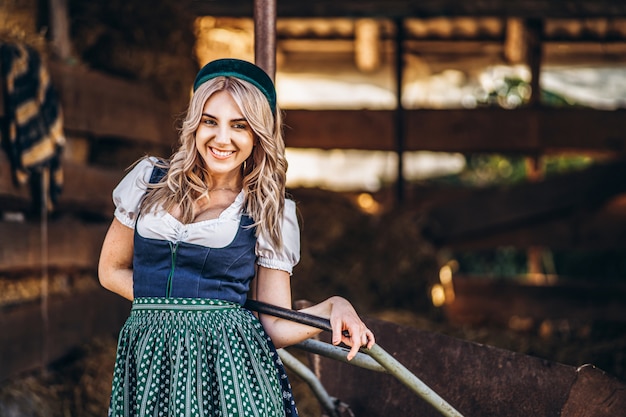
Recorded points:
(240, 126)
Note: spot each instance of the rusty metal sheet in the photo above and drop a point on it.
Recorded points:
(478, 380)
(595, 394)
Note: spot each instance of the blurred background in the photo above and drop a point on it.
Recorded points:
(458, 169)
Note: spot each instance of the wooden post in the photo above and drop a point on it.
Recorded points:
(399, 113)
(515, 41)
(367, 52)
(531, 38)
(60, 28)
(523, 45)
(265, 35)
(535, 254)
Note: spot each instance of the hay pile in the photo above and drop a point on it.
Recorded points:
(79, 385)
(376, 261)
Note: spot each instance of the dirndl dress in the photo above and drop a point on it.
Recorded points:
(189, 348)
(197, 357)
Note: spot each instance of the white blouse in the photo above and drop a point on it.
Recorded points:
(214, 233)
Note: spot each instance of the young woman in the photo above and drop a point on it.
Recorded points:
(191, 239)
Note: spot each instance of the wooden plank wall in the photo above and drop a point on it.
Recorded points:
(50, 298)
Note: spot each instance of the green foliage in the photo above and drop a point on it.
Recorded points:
(491, 169)
(500, 262)
(508, 93)
(496, 169)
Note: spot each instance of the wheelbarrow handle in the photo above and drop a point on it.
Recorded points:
(293, 315)
(376, 352)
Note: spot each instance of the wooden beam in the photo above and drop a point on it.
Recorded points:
(60, 28)
(340, 129)
(71, 245)
(596, 50)
(496, 210)
(99, 105)
(488, 300)
(582, 227)
(584, 52)
(405, 9)
(527, 130)
(461, 130)
(86, 189)
(581, 230)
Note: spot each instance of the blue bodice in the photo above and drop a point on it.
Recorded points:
(165, 269)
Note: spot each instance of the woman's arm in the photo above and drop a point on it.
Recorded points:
(115, 268)
(274, 287)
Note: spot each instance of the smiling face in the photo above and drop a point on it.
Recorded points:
(224, 139)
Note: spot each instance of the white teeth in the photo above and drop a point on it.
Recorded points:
(221, 153)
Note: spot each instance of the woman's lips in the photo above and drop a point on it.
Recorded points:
(221, 154)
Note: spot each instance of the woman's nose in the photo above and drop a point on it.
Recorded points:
(222, 135)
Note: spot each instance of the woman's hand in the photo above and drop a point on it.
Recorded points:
(273, 286)
(348, 327)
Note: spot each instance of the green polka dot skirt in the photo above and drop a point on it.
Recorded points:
(192, 357)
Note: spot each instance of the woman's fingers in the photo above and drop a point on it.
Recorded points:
(364, 339)
(370, 339)
(354, 349)
(362, 336)
(337, 333)
(347, 327)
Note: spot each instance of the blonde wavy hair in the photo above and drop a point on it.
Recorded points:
(264, 172)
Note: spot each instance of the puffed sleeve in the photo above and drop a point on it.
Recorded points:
(287, 257)
(129, 192)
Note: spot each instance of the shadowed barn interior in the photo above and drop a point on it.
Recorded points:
(459, 170)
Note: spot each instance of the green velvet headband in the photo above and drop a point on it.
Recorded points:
(244, 70)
